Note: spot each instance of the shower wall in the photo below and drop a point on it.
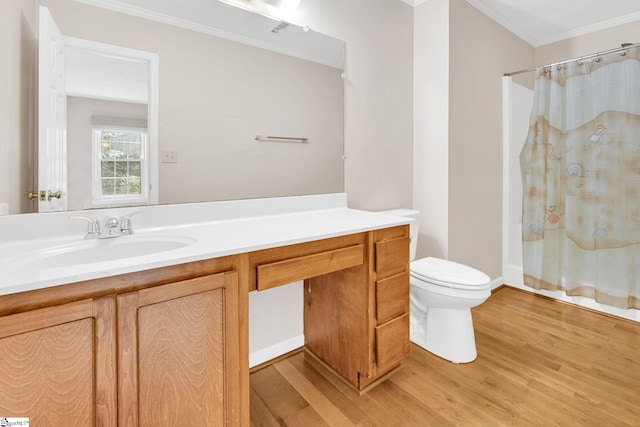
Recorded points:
(517, 102)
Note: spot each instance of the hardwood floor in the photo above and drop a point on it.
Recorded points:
(540, 363)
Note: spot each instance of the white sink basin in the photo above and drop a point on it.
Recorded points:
(100, 250)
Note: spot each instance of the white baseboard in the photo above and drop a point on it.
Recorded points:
(498, 281)
(271, 352)
(629, 314)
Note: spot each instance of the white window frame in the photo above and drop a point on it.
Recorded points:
(103, 200)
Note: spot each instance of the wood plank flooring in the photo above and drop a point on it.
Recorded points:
(540, 363)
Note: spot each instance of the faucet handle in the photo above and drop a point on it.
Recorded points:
(125, 225)
(93, 229)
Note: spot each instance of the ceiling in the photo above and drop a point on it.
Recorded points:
(540, 22)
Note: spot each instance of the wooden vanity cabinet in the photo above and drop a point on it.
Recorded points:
(356, 320)
(169, 346)
(163, 347)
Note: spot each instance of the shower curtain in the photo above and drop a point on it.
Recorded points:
(580, 169)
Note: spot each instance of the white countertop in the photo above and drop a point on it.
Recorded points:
(211, 239)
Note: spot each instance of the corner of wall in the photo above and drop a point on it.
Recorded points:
(431, 126)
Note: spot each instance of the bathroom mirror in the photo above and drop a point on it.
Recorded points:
(227, 78)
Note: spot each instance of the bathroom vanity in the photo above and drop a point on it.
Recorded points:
(162, 337)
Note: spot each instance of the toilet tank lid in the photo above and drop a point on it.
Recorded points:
(448, 272)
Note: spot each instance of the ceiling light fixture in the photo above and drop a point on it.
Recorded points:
(284, 5)
(275, 9)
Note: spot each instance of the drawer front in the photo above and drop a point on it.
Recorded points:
(392, 297)
(392, 342)
(392, 256)
(304, 267)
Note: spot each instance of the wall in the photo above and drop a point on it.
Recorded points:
(9, 80)
(479, 58)
(275, 322)
(431, 133)
(469, 214)
(17, 103)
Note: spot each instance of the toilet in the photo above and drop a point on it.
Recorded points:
(442, 294)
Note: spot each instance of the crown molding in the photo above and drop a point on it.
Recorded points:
(610, 23)
(537, 41)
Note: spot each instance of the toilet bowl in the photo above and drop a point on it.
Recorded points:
(442, 294)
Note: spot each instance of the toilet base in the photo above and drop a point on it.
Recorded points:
(447, 333)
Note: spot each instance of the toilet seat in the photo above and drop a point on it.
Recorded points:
(449, 274)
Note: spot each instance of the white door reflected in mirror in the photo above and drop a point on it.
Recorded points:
(52, 113)
(95, 89)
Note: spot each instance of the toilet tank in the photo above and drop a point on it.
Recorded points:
(414, 216)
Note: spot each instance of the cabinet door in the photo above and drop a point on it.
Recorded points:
(392, 339)
(57, 364)
(177, 352)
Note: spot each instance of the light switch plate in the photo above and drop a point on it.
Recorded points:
(169, 156)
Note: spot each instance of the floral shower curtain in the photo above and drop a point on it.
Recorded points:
(580, 167)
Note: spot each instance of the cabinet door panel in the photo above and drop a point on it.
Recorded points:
(392, 342)
(392, 256)
(173, 353)
(58, 363)
(392, 297)
(181, 360)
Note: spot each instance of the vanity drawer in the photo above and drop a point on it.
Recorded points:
(392, 297)
(392, 342)
(392, 256)
(304, 267)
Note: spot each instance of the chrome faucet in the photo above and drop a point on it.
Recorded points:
(112, 227)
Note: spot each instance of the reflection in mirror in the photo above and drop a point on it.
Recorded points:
(112, 146)
(214, 96)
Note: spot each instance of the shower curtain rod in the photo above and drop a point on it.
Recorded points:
(624, 46)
